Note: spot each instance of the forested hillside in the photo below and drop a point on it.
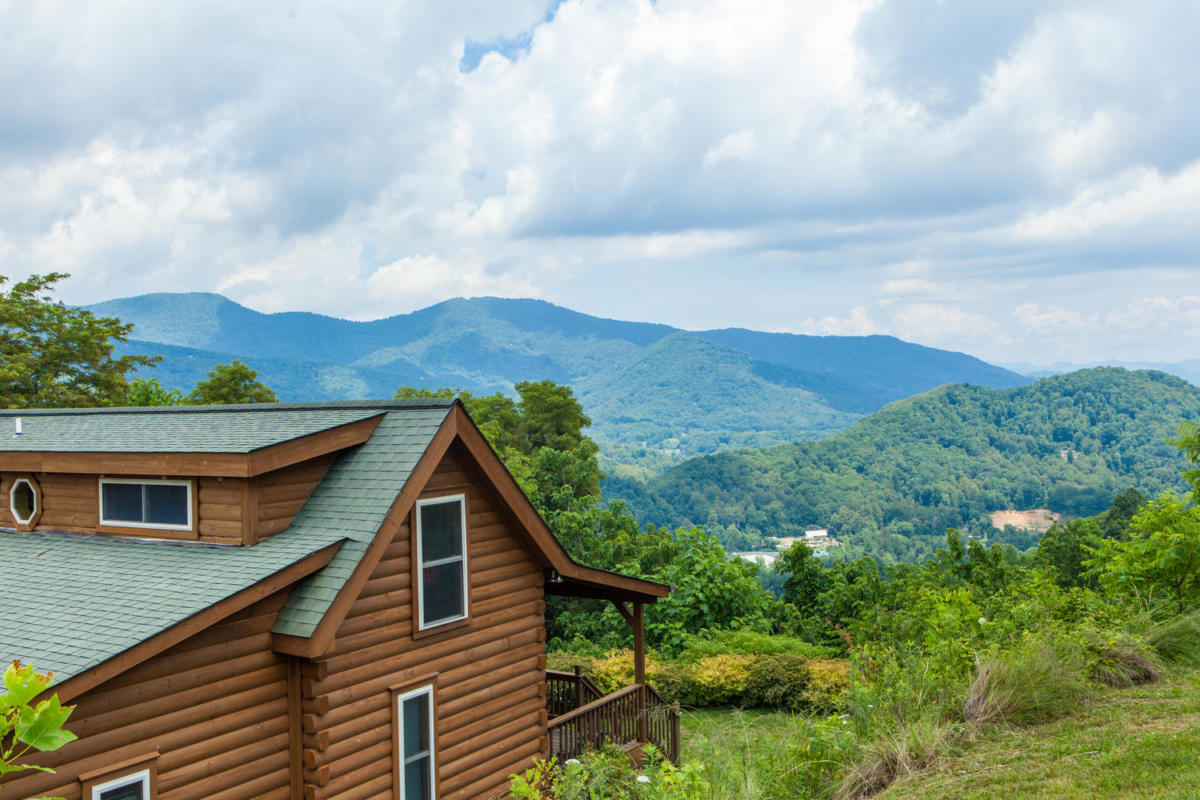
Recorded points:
(894, 482)
(657, 395)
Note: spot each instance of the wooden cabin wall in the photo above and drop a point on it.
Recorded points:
(278, 496)
(72, 503)
(229, 510)
(214, 706)
(490, 682)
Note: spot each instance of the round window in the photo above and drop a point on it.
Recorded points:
(23, 501)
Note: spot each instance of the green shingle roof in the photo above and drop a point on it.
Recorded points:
(187, 430)
(354, 498)
(70, 602)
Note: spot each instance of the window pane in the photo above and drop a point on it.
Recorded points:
(122, 502)
(131, 792)
(416, 780)
(166, 505)
(416, 725)
(441, 530)
(443, 592)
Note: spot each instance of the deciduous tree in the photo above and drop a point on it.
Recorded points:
(233, 383)
(54, 355)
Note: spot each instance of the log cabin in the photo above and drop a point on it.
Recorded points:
(294, 601)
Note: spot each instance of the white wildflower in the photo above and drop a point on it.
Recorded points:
(643, 779)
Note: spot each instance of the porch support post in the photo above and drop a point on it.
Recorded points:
(639, 669)
(639, 644)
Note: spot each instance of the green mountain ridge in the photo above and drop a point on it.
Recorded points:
(893, 482)
(711, 389)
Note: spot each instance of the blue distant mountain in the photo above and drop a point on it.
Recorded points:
(656, 394)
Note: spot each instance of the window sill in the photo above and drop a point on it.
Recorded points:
(434, 630)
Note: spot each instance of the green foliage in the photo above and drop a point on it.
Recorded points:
(711, 591)
(150, 392)
(749, 643)
(231, 384)
(1161, 559)
(609, 774)
(891, 484)
(53, 355)
(25, 727)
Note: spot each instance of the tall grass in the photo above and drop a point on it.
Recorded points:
(1035, 683)
(1178, 640)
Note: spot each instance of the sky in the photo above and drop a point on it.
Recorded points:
(1017, 180)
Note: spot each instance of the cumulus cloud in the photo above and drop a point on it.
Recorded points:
(971, 169)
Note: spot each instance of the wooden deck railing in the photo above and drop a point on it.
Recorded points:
(630, 716)
(567, 691)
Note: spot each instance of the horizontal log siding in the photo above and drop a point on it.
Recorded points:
(214, 707)
(491, 717)
(72, 503)
(279, 495)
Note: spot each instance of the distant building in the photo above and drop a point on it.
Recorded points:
(814, 535)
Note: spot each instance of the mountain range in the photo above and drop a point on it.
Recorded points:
(656, 394)
(892, 483)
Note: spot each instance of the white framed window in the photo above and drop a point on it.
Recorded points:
(163, 505)
(128, 787)
(442, 585)
(23, 501)
(415, 743)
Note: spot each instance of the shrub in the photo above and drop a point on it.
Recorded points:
(1035, 683)
(718, 680)
(1177, 641)
(829, 684)
(779, 681)
(750, 643)
(609, 773)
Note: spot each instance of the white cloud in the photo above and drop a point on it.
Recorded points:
(948, 162)
(859, 323)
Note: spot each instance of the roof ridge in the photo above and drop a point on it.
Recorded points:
(321, 405)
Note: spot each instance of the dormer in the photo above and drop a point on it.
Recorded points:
(227, 475)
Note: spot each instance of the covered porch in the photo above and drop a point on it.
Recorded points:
(580, 715)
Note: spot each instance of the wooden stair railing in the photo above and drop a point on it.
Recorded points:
(617, 719)
(567, 691)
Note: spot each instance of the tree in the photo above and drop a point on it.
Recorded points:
(1065, 548)
(231, 384)
(25, 727)
(152, 393)
(806, 577)
(1160, 559)
(53, 355)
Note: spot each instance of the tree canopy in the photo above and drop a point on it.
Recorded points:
(231, 384)
(56, 356)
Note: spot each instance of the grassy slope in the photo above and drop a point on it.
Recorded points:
(1132, 743)
(1135, 743)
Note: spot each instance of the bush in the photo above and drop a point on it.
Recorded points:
(609, 773)
(750, 643)
(1035, 683)
(779, 681)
